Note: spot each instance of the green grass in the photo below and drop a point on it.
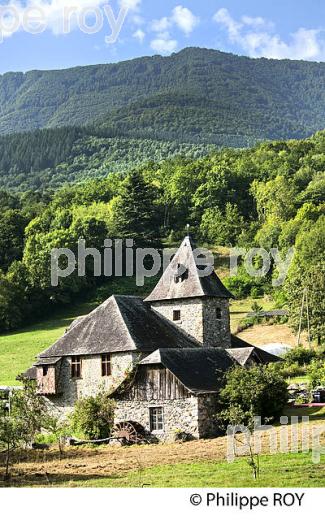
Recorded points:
(298, 379)
(19, 349)
(282, 470)
(313, 412)
(240, 308)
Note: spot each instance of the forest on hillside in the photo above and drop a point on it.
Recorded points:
(196, 95)
(271, 195)
(47, 159)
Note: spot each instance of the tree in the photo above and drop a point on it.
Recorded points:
(222, 228)
(28, 414)
(136, 214)
(93, 417)
(12, 227)
(307, 273)
(259, 391)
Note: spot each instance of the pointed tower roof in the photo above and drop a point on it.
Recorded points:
(183, 279)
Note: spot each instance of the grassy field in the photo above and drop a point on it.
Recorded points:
(240, 308)
(200, 463)
(290, 470)
(18, 350)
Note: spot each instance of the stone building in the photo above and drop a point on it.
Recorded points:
(162, 359)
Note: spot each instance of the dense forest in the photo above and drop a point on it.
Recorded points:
(271, 195)
(47, 159)
(196, 95)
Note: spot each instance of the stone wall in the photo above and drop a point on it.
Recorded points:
(216, 332)
(199, 319)
(191, 315)
(207, 408)
(179, 414)
(91, 382)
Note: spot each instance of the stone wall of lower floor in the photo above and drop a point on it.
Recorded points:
(192, 416)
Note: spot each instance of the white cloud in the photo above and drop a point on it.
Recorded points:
(139, 35)
(132, 5)
(181, 17)
(164, 46)
(184, 19)
(257, 21)
(257, 38)
(161, 25)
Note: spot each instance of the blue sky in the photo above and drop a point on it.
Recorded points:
(293, 29)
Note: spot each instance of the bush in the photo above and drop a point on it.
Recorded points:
(300, 355)
(316, 373)
(292, 370)
(257, 391)
(93, 417)
(244, 285)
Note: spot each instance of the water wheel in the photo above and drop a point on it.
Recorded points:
(127, 432)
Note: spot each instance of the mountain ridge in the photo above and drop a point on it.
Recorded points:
(280, 99)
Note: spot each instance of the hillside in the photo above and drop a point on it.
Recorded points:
(47, 159)
(198, 94)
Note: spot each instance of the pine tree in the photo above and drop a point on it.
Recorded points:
(137, 215)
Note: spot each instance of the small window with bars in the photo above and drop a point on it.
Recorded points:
(176, 315)
(156, 419)
(76, 366)
(106, 365)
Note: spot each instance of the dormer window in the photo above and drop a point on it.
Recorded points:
(181, 273)
(218, 313)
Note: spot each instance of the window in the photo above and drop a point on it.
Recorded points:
(76, 366)
(176, 315)
(45, 371)
(156, 419)
(218, 313)
(106, 365)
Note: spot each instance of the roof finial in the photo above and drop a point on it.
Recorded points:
(188, 229)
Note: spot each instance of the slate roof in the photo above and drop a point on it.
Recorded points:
(200, 370)
(120, 324)
(243, 355)
(192, 285)
(48, 361)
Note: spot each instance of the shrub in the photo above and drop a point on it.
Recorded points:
(300, 355)
(292, 370)
(257, 391)
(316, 373)
(93, 417)
(244, 285)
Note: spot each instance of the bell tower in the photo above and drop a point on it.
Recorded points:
(195, 302)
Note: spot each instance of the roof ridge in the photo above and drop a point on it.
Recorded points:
(124, 322)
